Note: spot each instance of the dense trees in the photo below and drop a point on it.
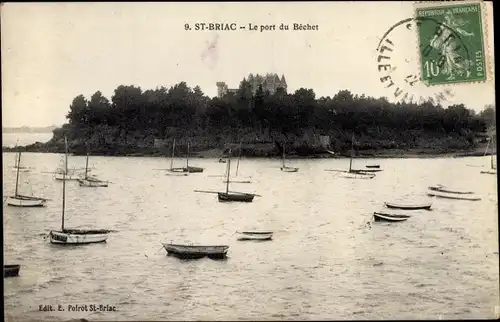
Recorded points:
(181, 111)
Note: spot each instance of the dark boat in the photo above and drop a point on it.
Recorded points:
(365, 170)
(235, 196)
(373, 166)
(426, 206)
(195, 252)
(11, 270)
(380, 216)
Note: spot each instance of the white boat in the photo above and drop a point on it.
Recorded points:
(177, 172)
(441, 188)
(447, 195)
(493, 166)
(18, 200)
(254, 235)
(88, 181)
(285, 168)
(75, 236)
(355, 174)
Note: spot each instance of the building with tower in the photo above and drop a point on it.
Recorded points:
(269, 82)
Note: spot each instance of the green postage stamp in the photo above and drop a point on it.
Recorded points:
(451, 39)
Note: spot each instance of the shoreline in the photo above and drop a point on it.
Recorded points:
(217, 153)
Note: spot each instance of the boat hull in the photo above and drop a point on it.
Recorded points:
(21, 201)
(373, 166)
(60, 176)
(366, 170)
(11, 270)
(440, 188)
(92, 183)
(378, 216)
(289, 169)
(235, 197)
(195, 252)
(408, 207)
(357, 175)
(489, 172)
(255, 235)
(78, 237)
(450, 196)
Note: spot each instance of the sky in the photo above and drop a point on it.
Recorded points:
(52, 52)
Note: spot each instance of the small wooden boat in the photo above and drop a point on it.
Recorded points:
(426, 206)
(442, 188)
(88, 181)
(11, 270)
(389, 217)
(357, 175)
(372, 166)
(452, 196)
(365, 170)
(75, 236)
(285, 168)
(235, 196)
(194, 252)
(255, 235)
(18, 200)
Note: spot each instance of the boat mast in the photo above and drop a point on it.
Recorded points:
(64, 181)
(283, 156)
(172, 158)
(238, 163)
(86, 166)
(18, 159)
(187, 159)
(228, 170)
(352, 152)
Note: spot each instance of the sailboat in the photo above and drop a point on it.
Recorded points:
(285, 168)
(175, 171)
(351, 173)
(74, 236)
(18, 167)
(88, 181)
(493, 166)
(187, 168)
(233, 196)
(64, 172)
(237, 168)
(18, 200)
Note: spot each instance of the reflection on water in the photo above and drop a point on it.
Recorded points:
(327, 260)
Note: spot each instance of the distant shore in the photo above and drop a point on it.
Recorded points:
(249, 153)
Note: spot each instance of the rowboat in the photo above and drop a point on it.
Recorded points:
(442, 188)
(235, 196)
(255, 235)
(373, 166)
(11, 270)
(451, 196)
(194, 252)
(426, 206)
(289, 169)
(378, 216)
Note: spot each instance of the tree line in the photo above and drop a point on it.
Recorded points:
(182, 111)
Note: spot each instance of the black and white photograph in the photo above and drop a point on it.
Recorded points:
(249, 161)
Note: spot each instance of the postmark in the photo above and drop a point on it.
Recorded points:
(451, 42)
(398, 65)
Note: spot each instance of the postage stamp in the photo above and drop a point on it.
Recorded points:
(451, 42)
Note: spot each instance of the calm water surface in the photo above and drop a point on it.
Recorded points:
(328, 259)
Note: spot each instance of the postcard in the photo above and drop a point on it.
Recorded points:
(171, 161)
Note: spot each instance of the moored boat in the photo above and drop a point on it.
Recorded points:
(255, 235)
(289, 169)
(373, 166)
(442, 188)
(11, 270)
(357, 175)
(25, 201)
(88, 181)
(194, 251)
(452, 196)
(235, 196)
(393, 205)
(389, 217)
